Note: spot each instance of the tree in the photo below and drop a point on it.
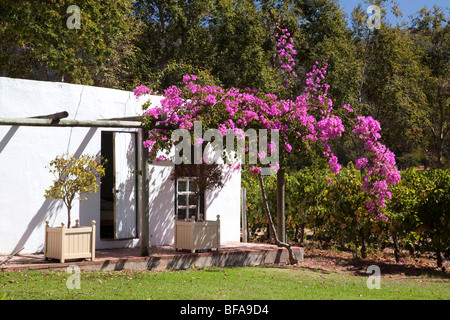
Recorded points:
(390, 82)
(233, 41)
(430, 31)
(323, 36)
(175, 33)
(73, 178)
(237, 39)
(37, 43)
(305, 123)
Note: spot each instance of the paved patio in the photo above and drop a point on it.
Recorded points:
(161, 258)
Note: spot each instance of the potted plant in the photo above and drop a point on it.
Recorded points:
(195, 233)
(74, 179)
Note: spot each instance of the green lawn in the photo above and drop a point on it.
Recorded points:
(262, 283)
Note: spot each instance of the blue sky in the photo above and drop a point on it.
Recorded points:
(407, 7)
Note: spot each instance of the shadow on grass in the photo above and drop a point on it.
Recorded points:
(303, 267)
(358, 266)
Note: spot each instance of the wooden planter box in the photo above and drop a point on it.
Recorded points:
(69, 243)
(197, 235)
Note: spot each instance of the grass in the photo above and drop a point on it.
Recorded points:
(238, 283)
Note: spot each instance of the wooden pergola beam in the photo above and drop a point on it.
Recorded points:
(53, 116)
(39, 122)
(135, 118)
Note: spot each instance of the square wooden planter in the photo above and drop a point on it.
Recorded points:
(197, 235)
(69, 243)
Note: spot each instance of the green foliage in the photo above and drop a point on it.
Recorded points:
(430, 32)
(419, 210)
(433, 210)
(35, 42)
(334, 208)
(74, 177)
(238, 36)
(256, 216)
(403, 206)
(173, 74)
(306, 193)
(173, 32)
(346, 207)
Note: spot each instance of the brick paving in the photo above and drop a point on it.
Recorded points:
(160, 258)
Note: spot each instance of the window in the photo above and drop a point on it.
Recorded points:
(186, 197)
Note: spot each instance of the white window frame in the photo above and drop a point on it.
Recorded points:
(187, 193)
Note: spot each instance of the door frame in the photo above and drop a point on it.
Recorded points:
(112, 133)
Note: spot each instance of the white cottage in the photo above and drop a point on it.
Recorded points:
(26, 151)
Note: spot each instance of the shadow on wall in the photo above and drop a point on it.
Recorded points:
(84, 143)
(89, 209)
(4, 142)
(49, 207)
(212, 195)
(162, 204)
(45, 212)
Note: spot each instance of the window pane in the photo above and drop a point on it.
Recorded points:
(192, 200)
(192, 186)
(192, 212)
(182, 185)
(182, 200)
(181, 214)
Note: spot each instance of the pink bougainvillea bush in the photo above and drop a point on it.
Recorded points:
(307, 119)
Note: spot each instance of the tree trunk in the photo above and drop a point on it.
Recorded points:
(291, 259)
(363, 244)
(270, 235)
(302, 234)
(396, 249)
(412, 250)
(281, 224)
(296, 232)
(68, 217)
(439, 258)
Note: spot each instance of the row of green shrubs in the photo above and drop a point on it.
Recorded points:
(333, 207)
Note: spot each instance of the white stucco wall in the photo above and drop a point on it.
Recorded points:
(224, 202)
(25, 153)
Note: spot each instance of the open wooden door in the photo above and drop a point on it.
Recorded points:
(125, 185)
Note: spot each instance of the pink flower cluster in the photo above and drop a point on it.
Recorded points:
(314, 80)
(380, 169)
(330, 127)
(255, 170)
(286, 51)
(141, 90)
(320, 105)
(187, 78)
(247, 109)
